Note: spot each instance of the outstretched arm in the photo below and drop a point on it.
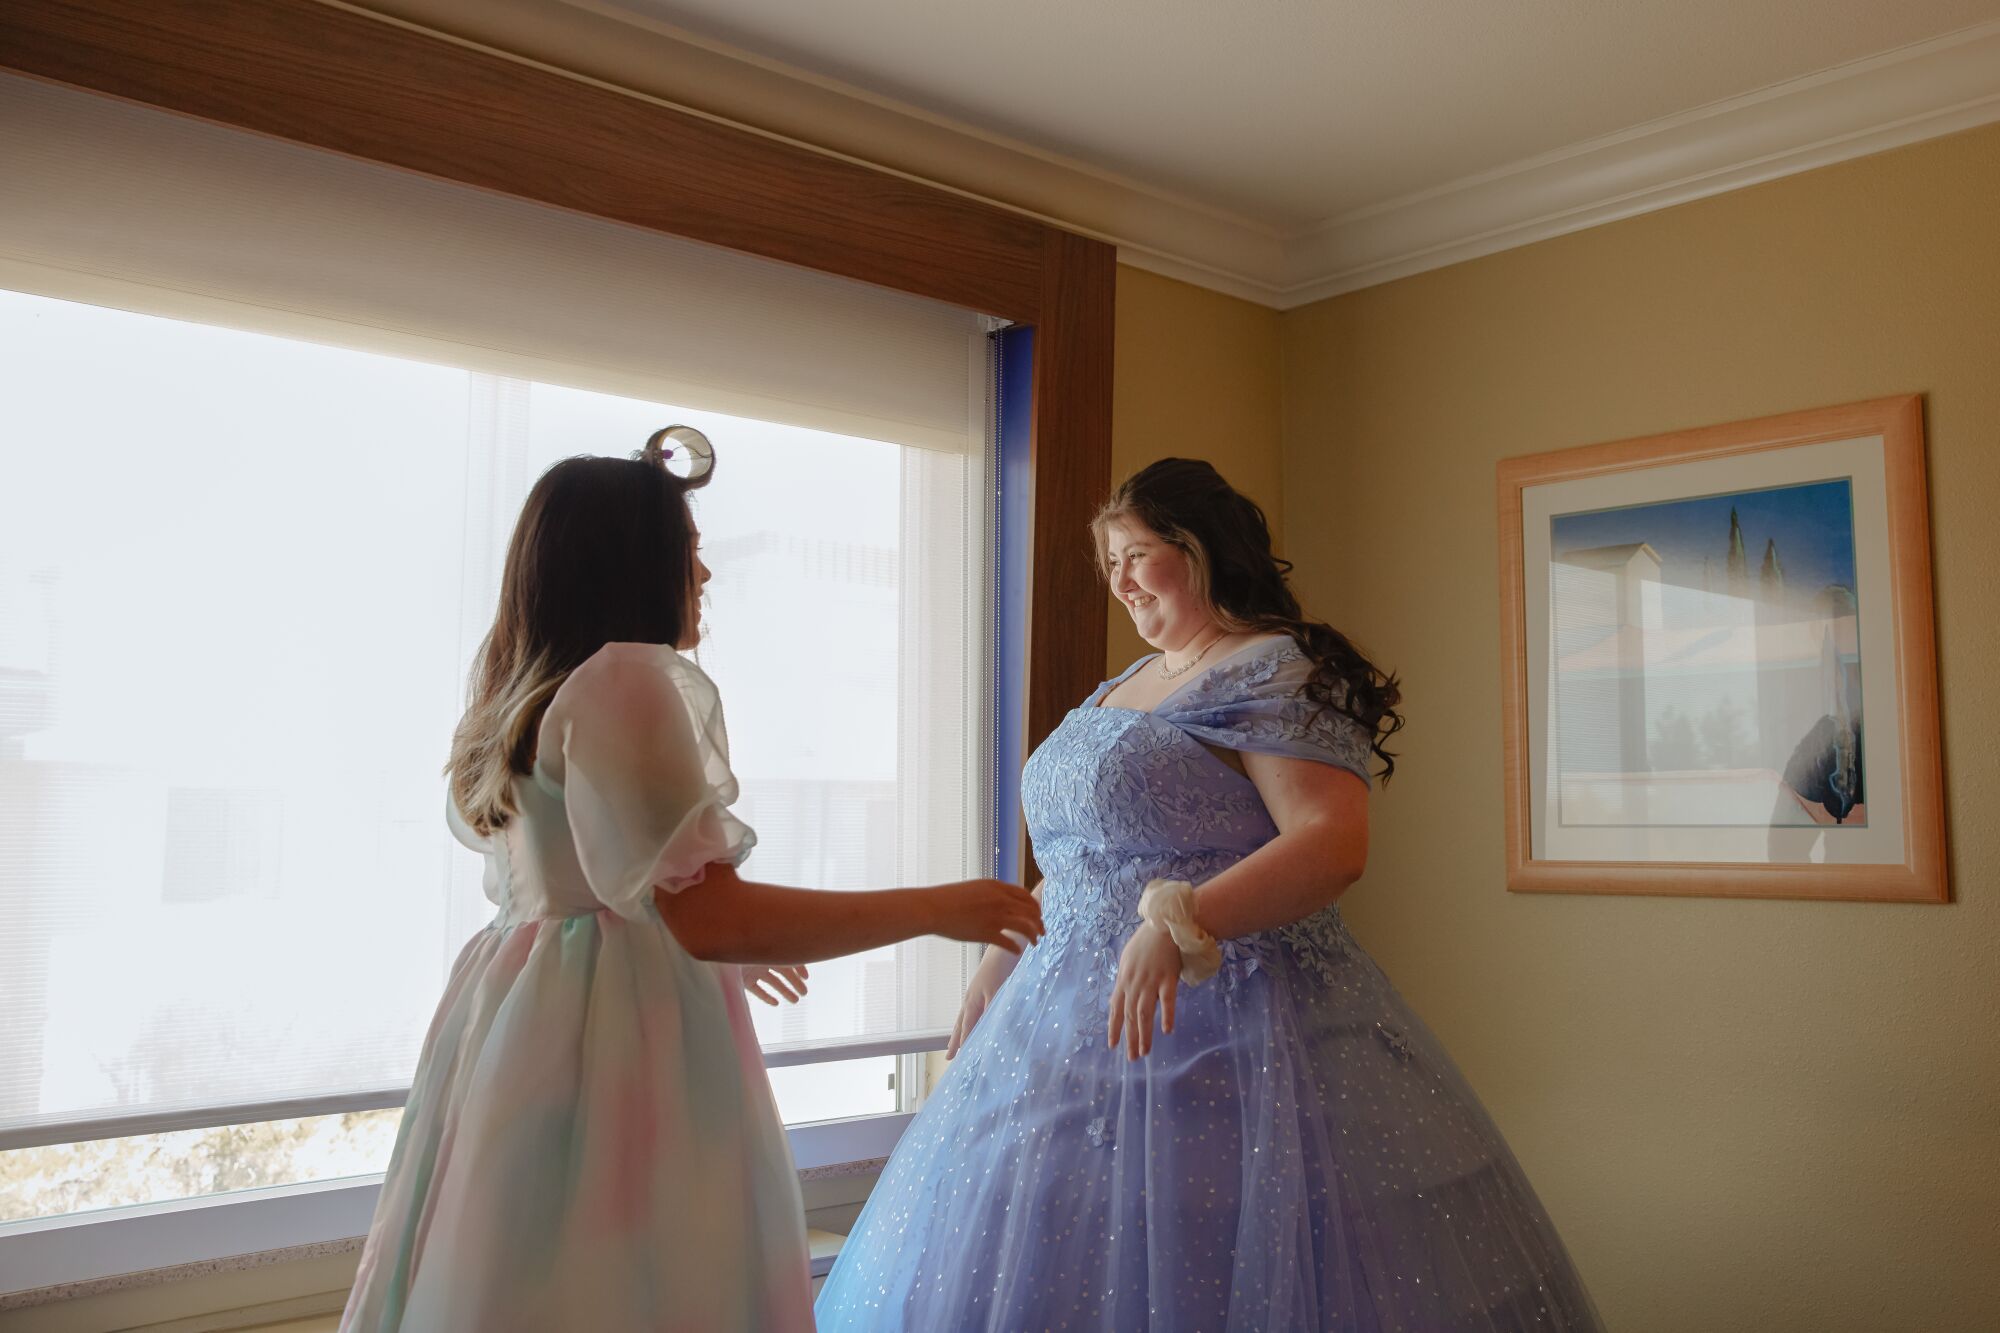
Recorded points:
(729, 919)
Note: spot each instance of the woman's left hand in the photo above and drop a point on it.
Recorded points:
(1149, 977)
(769, 984)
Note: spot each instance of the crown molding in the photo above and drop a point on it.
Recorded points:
(616, 44)
(1900, 97)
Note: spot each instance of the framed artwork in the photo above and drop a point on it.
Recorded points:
(1718, 661)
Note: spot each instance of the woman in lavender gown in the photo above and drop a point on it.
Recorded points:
(1197, 1104)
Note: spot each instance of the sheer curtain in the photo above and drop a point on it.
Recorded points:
(266, 417)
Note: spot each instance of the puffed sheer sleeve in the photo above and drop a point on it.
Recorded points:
(636, 740)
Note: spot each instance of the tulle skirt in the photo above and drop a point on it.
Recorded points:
(589, 1144)
(1299, 1154)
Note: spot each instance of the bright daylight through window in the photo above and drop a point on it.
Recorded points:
(241, 578)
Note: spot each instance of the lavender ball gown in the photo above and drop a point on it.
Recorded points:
(1299, 1154)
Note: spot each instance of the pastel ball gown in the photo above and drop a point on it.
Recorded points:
(590, 1141)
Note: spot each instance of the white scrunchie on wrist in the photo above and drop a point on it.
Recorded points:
(1169, 905)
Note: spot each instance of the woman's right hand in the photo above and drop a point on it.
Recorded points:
(993, 969)
(986, 911)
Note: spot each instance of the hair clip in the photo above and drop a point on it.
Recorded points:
(690, 456)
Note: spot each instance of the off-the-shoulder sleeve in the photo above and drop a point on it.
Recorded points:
(636, 740)
(1256, 705)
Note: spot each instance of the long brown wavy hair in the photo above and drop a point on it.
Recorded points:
(1245, 585)
(603, 553)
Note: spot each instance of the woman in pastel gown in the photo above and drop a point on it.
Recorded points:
(1197, 1105)
(590, 1141)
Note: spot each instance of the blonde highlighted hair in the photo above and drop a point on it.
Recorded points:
(603, 553)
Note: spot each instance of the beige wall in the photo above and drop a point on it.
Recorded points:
(1195, 375)
(1744, 1115)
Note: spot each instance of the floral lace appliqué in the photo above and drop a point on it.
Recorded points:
(1115, 798)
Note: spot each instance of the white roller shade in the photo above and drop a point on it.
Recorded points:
(313, 245)
(266, 418)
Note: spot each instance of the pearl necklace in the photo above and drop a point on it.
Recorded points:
(1187, 666)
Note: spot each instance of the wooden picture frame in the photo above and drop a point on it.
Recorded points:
(376, 88)
(1679, 718)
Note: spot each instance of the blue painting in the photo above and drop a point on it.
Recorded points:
(1707, 661)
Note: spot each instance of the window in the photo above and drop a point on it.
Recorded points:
(234, 648)
(251, 522)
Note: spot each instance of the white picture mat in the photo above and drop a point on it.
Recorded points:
(1882, 842)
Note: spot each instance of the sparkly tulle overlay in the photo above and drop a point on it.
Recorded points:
(590, 1141)
(1299, 1154)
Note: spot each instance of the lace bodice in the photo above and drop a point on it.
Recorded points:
(1116, 797)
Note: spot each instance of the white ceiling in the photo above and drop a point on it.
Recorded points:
(1288, 113)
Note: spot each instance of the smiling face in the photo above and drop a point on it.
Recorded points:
(1155, 582)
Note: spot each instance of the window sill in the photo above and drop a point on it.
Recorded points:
(65, 1258)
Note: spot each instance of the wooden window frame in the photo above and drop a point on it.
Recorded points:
(376, 88)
